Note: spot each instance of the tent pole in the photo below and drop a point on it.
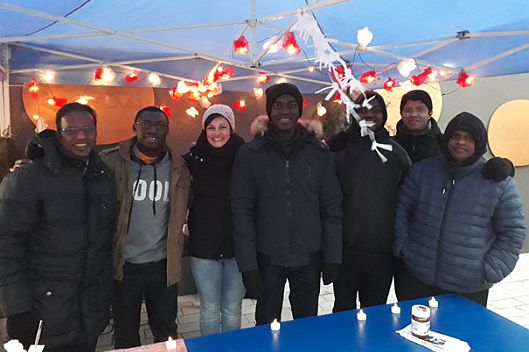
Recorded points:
(5, 112)
(252, 23)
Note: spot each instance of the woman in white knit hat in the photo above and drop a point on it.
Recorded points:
(213, 264)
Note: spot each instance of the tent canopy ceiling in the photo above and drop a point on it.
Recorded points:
(186, 39)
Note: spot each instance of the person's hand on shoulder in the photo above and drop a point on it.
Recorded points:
(497, 169)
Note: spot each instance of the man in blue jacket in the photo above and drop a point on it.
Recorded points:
(455, 230)
(286, 207)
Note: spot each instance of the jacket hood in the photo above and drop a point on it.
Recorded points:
(466, 122)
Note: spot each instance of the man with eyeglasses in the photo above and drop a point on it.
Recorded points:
(152, 184)
(455, 230)
(286, 208)
(56, 219)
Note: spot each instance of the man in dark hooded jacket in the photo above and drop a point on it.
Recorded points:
(56, 219)
(370, 187)
(455, 230)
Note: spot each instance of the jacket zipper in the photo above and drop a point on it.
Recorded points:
(441, 230)
(289, 205)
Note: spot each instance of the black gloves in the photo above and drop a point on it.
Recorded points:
(254, 283)
(496, 169)
(330, 272)
(23, 327)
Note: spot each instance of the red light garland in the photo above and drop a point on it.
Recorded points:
(464, 79)
(263, 78)
(166, 109)
(33, 88)
(240, 105)
(131, 77)
(368, 77)
(241, 46)
(389, 84)
(290, 44)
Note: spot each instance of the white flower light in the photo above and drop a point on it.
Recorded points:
(406, 66)
(192, 111)
(320, 109)
(84, 99)
(258, 92)
(272, 48)
(47, 76)
(364, 37)
(108, 74)
(155, 79)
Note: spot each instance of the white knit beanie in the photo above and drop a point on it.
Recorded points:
(220, 109)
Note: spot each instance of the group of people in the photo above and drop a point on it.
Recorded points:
(82, 231)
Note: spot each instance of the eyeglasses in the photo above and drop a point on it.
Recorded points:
(289, 106)
(419, 110)
(74, 131)
(146, 124)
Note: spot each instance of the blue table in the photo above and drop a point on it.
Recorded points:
(456, 316)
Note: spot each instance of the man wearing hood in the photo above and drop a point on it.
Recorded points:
(370, 188)
(152, 186)
(286, 208)
(455, 230)
(56, 219)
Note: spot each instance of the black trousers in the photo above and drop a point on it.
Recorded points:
(144, 281)
(367, 275)
(304, 282)
(408, 287)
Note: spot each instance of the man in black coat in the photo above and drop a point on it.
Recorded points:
(370, 187)
(56, 219)
(286, 207)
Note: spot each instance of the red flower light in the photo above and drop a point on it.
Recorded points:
(338, 73)
(240, 105)
(241, 46)
(419, 79)
(33, 88)
(166, 109)
(98, 75)
(464, 79)
(131, 77)
(59, 102)
(221, 73)
(337, 98)
(175, 94)
(368, 77)
(389, 84)
(290, 44)
(263, 78)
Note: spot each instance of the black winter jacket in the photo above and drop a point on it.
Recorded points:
(56, 223)
(422, 146)
(209, 220)
(286, 207)
(370, 189)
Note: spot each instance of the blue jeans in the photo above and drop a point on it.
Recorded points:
(221, 292)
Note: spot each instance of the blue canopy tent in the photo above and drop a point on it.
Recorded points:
(184, 40)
